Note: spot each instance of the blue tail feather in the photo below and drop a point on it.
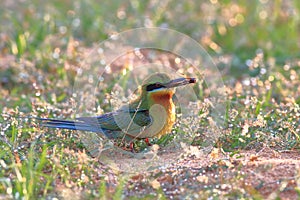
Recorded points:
(72, 125)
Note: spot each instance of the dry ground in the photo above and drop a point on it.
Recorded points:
(264, 174)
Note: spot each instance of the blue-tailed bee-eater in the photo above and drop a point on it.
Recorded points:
(152, 114)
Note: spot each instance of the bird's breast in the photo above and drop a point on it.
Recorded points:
(162, 112)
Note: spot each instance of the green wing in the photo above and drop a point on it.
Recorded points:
(130, 121)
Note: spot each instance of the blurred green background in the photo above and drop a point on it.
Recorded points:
(243, 37)
(237, 28)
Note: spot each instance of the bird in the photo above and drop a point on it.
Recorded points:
(151, 114)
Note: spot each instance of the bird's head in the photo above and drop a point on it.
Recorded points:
(160, 87)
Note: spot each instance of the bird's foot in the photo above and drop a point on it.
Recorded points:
(148, 142)
(131, 146)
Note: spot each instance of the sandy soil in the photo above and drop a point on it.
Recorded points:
(264, 174)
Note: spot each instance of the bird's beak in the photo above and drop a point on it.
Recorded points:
(180, 82)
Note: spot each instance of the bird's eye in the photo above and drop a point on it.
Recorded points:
(154, 86)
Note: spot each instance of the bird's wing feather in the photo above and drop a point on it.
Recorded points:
(121, 120)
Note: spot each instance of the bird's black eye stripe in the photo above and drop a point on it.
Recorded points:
(154, 86)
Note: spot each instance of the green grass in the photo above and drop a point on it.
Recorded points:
(41, 45)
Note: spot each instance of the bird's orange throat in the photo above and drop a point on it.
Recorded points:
(164, 99)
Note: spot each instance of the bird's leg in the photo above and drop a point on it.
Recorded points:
(131, 146)
(148, 142)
